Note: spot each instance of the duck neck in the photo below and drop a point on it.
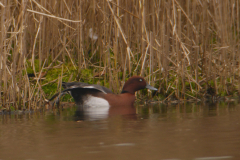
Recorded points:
(127, 91)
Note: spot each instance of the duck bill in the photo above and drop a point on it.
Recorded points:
(151, 87)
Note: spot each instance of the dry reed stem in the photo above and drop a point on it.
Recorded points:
(65, 48)
(121, 31)
(123, 9)
(2, 5)
(52, 16)
(37, 83)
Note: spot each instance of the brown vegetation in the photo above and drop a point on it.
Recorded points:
(184, 47)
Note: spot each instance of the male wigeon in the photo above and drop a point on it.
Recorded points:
(96, 99)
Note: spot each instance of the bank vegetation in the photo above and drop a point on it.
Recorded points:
(189, 49)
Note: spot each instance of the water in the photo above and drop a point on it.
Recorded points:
(158, 132)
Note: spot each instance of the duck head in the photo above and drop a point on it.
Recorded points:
(136, 83)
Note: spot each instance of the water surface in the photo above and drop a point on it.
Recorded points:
(183, 131)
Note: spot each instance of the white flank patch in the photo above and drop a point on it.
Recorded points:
(96, 107)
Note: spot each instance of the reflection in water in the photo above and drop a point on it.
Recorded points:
(92, 114)
(182, 131)
(82, 114)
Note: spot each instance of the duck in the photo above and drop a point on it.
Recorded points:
(94, 99)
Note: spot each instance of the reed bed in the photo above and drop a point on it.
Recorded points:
(186, 48)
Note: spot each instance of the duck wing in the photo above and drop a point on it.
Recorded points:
(75, 85)
(68, 87)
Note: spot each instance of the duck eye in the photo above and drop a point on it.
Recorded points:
(140, 80)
